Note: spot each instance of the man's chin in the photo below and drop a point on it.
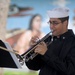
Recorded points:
(54, 34)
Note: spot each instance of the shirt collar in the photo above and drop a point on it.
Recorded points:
(65, 35)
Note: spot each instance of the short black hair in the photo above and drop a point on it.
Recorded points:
(64, 19)
(31, 20)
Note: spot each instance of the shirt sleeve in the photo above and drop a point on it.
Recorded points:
(66, 66)
(35, 64)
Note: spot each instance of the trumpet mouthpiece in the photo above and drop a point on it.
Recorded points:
(51, 31)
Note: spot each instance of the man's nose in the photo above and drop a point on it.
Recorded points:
(51, 26)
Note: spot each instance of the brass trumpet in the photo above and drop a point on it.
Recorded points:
(30, 54)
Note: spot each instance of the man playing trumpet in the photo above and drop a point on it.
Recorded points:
(59, 57)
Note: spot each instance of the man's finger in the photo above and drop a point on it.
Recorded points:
(36, 50)
(42, 43)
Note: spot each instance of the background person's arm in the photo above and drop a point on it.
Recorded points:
(23, 42)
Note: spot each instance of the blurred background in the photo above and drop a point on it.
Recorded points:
(25, 19)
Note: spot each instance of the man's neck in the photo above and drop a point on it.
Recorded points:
(62, 33)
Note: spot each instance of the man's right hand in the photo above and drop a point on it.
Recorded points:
(34, 40)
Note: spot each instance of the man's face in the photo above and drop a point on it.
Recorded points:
(57, 26)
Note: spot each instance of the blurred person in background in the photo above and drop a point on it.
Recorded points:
(34, 30)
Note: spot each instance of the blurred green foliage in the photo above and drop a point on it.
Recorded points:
(19, 73)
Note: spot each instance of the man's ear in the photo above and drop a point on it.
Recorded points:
(65, 22)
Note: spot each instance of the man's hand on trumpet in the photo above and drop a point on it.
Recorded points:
(41, 48)
(34, 40)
